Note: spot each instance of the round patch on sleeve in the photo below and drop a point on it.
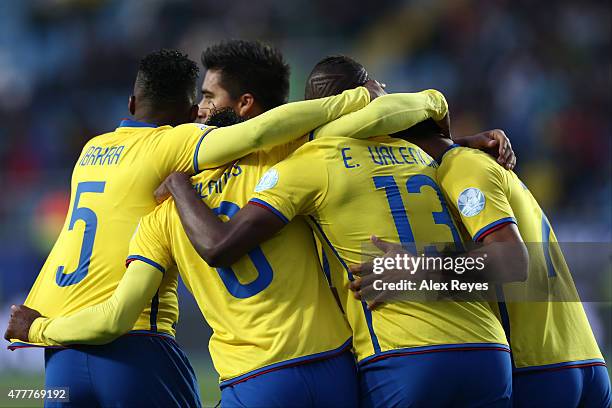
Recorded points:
(267, 181)
(471, 201)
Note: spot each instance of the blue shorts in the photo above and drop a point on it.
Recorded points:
(569, 387)
(469, 378)
(132, 371)
(331, 382)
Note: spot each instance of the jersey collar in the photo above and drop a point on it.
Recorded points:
(448, 149)
(135, 123)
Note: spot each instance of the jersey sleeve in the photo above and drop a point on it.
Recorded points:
(386, 115)
(275, 127)
(296, 186)
(151, 241)
(176, 149)
(104, 322)
(476, 187)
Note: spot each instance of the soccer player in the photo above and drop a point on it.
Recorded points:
(556, 360)
(112, 188)
(279, 337)
(422, 354)
(249, 77)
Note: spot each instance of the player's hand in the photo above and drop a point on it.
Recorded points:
(363, 285)
(495, 142)
(375, 88)
(176, 179)
(21, 319)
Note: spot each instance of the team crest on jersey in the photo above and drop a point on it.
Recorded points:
(471, 201)
(267, 181)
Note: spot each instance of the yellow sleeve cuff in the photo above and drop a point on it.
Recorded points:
(438, 104)
(35, 334)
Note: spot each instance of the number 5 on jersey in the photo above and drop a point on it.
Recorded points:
(91, 225)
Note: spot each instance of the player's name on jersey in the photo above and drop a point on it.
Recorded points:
(389, 156)
(102, 156)
(216, 186)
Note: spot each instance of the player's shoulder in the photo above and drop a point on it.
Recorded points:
(103, 139)
(322, 146)
(467, 160)
(312, 147)
(159, 217)
(189, 128)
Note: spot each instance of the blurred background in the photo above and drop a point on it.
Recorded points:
(539, 70)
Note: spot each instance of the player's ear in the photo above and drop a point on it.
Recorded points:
(246, 105)
(132, 104)
(193, 114)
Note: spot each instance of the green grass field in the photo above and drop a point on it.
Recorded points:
(207, 377)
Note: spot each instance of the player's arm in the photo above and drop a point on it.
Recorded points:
(504, 251)
(98, 324)
(507, 259)
(275, 127)
(388, 114)
(494, 142)
(295, 186)
(477, 188)
(220, 243)
(393, 113)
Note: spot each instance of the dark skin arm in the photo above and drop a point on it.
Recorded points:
(20, 321)
(219, 243)
(507, 261)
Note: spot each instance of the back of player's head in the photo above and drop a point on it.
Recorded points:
(250, 67)
(166, 80)
(334, 75)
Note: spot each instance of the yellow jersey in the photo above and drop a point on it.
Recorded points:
(351, 189)
(272, 308)
(542, 334)
(112, 187)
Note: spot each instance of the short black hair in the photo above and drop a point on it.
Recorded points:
(221, 117)
(337, 73)
(334, 75)
(250, 67)
(166, 78)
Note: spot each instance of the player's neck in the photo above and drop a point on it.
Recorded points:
(156, 119)
(434, 145)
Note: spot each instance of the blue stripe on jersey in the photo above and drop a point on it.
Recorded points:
(135, 123)
(567, 364)
(197, 149)
(433, 349)
(311, 136)
(270, 207)
(147, 261)
(290, 362)
(325, 265)
(154, 310)
(367, 312)
(503, 314)
(494, 224)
